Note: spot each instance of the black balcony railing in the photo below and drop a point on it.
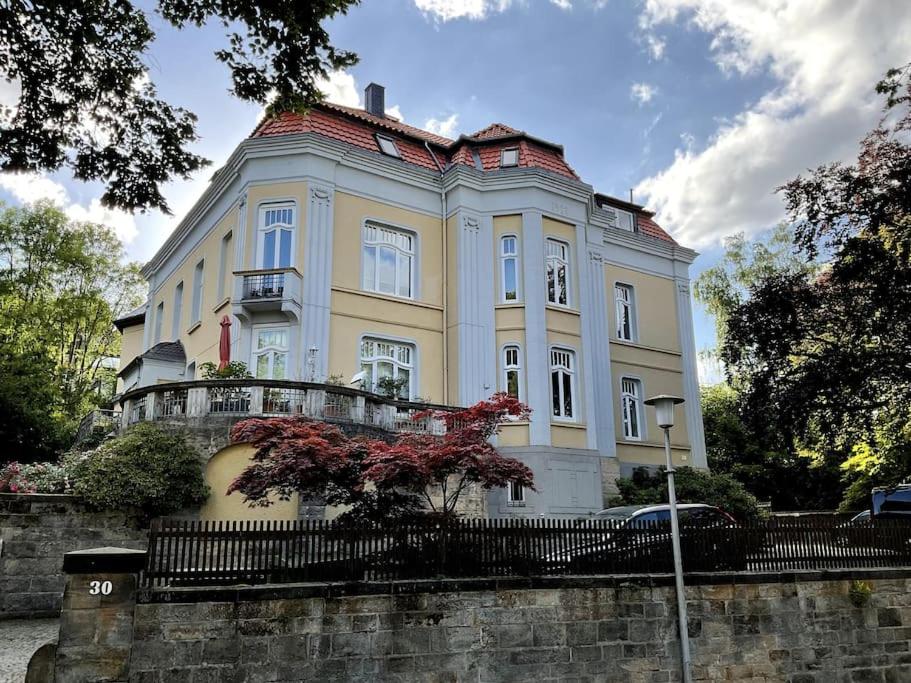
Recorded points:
(198, 553)
(264, 286)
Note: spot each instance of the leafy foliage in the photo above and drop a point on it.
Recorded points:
(148, 468)
(235, 369)
(692, 486)
(61, 286)
(376, 479)
(391, 387)
(42, 477)
(87, 101)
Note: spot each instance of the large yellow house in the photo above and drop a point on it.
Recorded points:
(344, 244)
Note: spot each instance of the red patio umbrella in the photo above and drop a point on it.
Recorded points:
(224, 343)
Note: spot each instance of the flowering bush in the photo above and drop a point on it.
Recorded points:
(40, 477)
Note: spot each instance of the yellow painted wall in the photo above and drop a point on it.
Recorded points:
(651, 454)
(562, 436)
(257, 196)
(513, 435)
(130, 347)
(221, 470)
(654, 382)
(656, 306)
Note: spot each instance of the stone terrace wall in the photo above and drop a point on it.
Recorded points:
(800, 628)
(36, 531)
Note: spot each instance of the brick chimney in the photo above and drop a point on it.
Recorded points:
(375, 99)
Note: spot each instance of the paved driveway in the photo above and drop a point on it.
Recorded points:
(19, 638)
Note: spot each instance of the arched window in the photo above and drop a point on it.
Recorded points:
(557, 265)
(563, 383)
(390, 361)
(509, 268)
(512, 371)
(631, 404)
(275, 242)
(270, 352)
(388, 260)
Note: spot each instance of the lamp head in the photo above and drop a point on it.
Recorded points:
(664, 409)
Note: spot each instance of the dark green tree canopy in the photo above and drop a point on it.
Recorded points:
(87, 103)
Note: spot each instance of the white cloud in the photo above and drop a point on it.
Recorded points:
(445, 127)
(340, 88)
(709, 369)
(448, 10)
(655, 45)
(396, 112)
(28, 188)
(825, 58)
(642, 93)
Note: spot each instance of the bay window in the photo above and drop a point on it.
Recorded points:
(563, 383)
(556, 255)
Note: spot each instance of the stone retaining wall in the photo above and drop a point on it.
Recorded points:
(36, 530)
(800, 627)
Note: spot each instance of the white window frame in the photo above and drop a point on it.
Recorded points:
(372, 237)
(513, 367)
(511, 498)
(509, 164)
(504, 257)
(271, 350)
(159, 322)
(555, 261)
(262, 229)
(199, 277)
(395, 360)
(223, 260)
(626, 220)
(178, 311)
(628, 303)
(390, 149)
(627, 399)
(570, 371)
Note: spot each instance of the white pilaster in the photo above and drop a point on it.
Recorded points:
(241, 235)
(693, 404)
(537, 375)
(476, 334)
(317, 274)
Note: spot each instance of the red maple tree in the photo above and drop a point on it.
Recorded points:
(378, 479)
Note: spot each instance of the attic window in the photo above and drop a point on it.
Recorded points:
(626, 221)
(387, 146)
(509, 157)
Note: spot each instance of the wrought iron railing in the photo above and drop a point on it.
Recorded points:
(264, 286)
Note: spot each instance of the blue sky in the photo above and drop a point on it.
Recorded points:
(702, 106)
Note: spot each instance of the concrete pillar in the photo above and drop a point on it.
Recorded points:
(96, 622)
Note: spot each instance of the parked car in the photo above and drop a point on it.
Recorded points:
(892, 502)
(637, 539)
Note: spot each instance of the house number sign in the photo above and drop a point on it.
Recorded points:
(100, 587)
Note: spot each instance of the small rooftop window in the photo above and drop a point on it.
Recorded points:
(509, 157)
(626, 221)
(387, 146)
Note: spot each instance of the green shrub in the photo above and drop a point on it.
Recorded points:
(693, 486)
(148, 468)
(234, 370)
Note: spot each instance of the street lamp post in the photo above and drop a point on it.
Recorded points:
(664, 412)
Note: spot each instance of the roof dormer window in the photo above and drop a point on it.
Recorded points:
(387, 146)
(509, 157)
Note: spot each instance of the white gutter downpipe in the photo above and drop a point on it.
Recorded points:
(445, 272)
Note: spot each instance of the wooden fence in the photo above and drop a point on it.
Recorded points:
(227, 553)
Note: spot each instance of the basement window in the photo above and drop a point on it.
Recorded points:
(388, 147)
(509, 157)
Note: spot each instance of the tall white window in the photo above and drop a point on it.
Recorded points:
(387, 359)
(512, 371)
(563, 383)
(631, 404)
(509, 268)
(515, 494)
(224, 259)
(557, 265)
(196, 313)
(178, 310)
(626, 321)
(159, 321)
(270, 352)
(275, 240)
(388, 260)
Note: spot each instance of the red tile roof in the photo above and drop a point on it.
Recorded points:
(357, 127)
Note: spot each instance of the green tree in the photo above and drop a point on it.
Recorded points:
(61, 286)
(87, 101)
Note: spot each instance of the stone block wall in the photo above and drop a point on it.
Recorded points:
(36, 530)
(801, 628)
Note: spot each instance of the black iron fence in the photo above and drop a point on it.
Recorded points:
(224, 553)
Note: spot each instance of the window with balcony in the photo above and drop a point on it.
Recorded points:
(563, 383)
(626, 318)
(275, 240)
(512, 371)
(389, 366)
(509, 268)
(556, 255)
(270, 352)
(388, 260)
(631, 406)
